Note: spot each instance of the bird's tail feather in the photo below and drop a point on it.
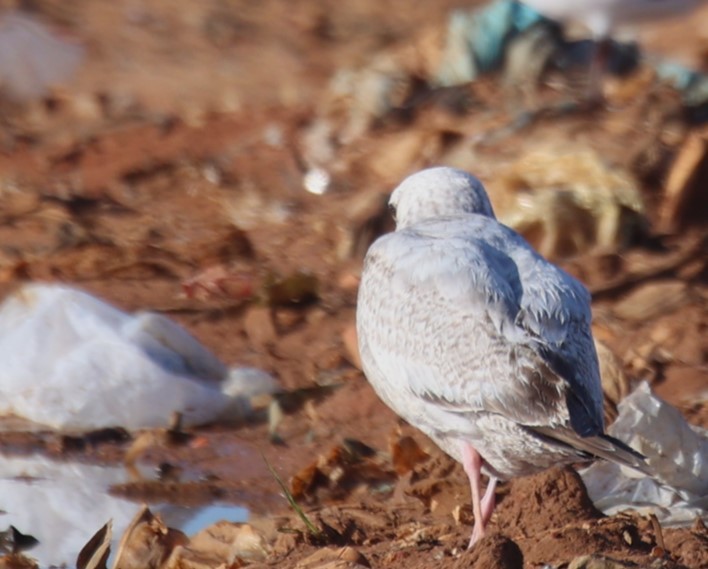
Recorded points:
(600, 446)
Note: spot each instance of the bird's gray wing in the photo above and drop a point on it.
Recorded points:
(480, 322)
(437, 321)
(555, 314)
(555, 318)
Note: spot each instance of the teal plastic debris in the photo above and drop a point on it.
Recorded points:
(692, 85)
(477, 39)
(481, 40)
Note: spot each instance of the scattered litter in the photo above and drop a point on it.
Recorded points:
(68, 360)
(317, 181)
(476, 39)
(569, 202)
(675, 450)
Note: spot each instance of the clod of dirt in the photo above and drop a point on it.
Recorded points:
(689, 548)
(551, 499)
(493, 552)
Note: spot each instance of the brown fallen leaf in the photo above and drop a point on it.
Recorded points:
(147, 543)
(683, 198)
(94, 554)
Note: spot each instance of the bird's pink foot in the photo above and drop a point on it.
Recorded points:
(481, 508)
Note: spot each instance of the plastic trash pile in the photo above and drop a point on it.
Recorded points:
(69, 360)
(676, 451)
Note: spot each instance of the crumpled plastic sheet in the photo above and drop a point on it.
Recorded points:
(69, 360)
(675, 450)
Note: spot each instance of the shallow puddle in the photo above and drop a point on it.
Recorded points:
(62, 504)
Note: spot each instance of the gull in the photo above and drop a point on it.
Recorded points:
(471, 336)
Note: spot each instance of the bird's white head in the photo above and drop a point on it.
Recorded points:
(437, 192)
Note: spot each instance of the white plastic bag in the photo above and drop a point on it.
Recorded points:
(70, 361)
(676, 451)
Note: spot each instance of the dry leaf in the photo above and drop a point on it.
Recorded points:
(94, 554)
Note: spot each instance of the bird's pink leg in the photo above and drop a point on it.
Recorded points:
(488, 500)
(472, 463)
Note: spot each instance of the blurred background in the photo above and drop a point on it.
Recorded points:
(227, 163)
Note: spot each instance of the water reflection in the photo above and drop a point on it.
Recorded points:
(62, 505)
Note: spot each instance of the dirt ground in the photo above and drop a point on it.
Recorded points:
(169, 175)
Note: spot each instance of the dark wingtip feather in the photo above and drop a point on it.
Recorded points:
(598, 446)
(627, 455)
